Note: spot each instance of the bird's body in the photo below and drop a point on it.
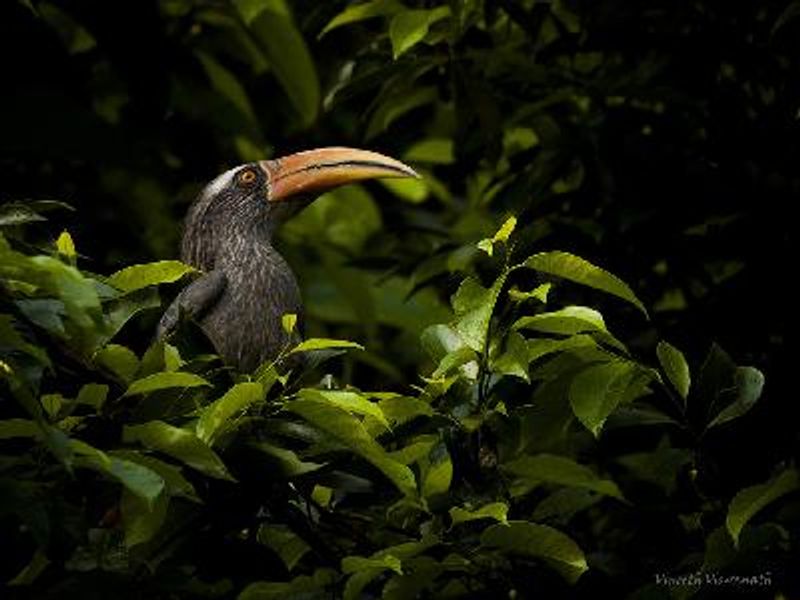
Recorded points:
(246, 286)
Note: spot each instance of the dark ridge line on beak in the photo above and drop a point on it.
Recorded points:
(352, 163)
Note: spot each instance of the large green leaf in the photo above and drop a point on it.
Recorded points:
(177, 484)
(540, 541)
(284, 542)
(749, 383)
(751, 500)
(178, 443)
(361, 12)
(597, 390)
(348, 400)
(285, 50)
(349, 431)
(410, 27)
(474, 305)
(573, 268)
(236, 400)
(560, 470)
(570, 320)
(140, 520)
(140, 276)
(165, 380)
(142, 482)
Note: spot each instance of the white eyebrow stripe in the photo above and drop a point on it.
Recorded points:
(221, 182)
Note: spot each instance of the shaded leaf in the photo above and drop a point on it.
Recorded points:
(410, 27)
(361, 12)
(284, 542)
(539, 541)
(675, 366)
(560, 470)
(749, 383)
(494, 510)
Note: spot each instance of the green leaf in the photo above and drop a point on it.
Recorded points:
(570, 320)
(140, 276)
(560, 470)
(289, 322)
(354, 564)
(323, 344)
(35, 567)
(226, 84)
(319, 585)
(540, 293)
(401, 409)
(176, 484)
(66, 247)
(563, 504)
(749, 383)
(178, 443)
(289, 546)
(119, 360)
(539, 541)
(285, 50)
(410, 27)
(350, 401)
(361, 12)
(675, 367)
(235, 401)
(474, 306)
(494, 510)
(165, 380)
(573, 268)
(435, 151)
(660, 467)
(16, 428)
(93, 394)
(436, 471)
(597, 390)
(349, 431)
(751, 500)
(144, 483)
(141, 520)
(364, 570)
(453, 360)
(286, 461)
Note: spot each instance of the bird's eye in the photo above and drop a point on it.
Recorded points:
(247, 177)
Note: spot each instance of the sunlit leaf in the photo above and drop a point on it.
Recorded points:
(178, 443)
(361, 12)
(751, 500)
(573, 268)
(324, 344)
(236, 400)
(410, 27)
(140, 276)
(349, 431)
(165, 380)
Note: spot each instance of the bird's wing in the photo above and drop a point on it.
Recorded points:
(192, 302)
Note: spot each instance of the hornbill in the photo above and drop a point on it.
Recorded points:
(246, 286)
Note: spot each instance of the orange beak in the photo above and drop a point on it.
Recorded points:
(316, 171)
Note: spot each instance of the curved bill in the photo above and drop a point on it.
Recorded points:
(316, 171)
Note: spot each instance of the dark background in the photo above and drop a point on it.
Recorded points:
(666, 150)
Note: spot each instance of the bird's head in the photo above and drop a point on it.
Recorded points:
(257, 197)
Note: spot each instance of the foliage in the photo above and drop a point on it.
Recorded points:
(495, 414)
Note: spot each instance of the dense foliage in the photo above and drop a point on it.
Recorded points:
(484, 413)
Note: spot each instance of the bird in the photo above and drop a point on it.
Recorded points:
(246, 286)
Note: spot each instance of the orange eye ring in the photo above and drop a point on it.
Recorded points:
(247, 177)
